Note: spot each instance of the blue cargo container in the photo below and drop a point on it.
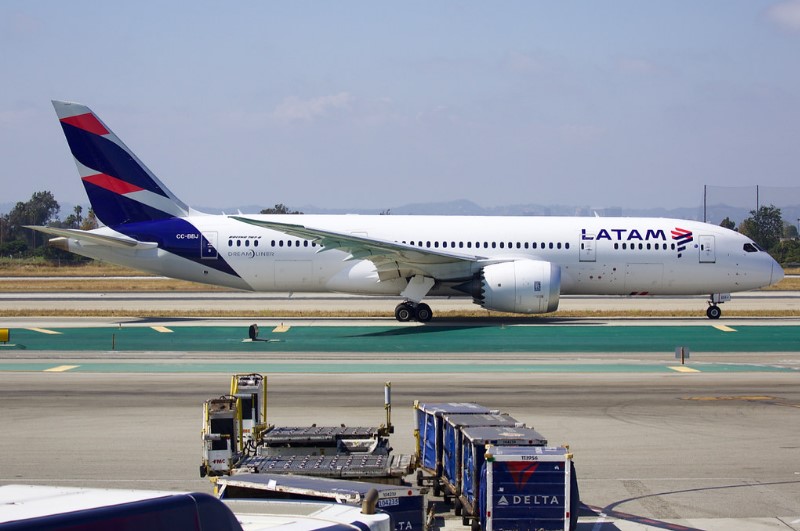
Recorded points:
(526, 488)
(429, 430)
(404, 505)
(452, 443)
(473, 449)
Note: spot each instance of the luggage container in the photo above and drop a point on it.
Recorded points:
(473, 449)
(429, 431)
(404, 505)
(528, 487)
(451, 443)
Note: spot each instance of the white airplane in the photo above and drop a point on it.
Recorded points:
(510, 264)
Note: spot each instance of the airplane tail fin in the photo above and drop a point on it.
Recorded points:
(120, 187)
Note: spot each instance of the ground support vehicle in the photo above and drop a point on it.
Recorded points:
(404, 505)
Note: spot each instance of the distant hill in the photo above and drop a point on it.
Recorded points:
(463, 207)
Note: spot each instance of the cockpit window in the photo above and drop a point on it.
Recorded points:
(750, 248)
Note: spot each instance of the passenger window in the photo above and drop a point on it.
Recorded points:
(247, 243)
(238, 243)
(566, 245)
(230, 243)
(551, 245)
(255, 243)
(533, 245)
(558, 245)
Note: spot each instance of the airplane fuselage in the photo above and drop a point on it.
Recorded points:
(597, 256)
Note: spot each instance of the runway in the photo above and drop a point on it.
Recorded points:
(655, 448)
(289, 302)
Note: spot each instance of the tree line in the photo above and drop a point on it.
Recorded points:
(771, 232)
(765, 226)
(41, 209)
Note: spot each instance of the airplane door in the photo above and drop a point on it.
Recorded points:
(208, 246)
(588, 253)
(707, 254)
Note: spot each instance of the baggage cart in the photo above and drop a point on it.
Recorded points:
(528, 487)
(473, 451)
(428, 435)
(451, 444)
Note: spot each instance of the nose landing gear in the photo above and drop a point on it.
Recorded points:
(713, 311)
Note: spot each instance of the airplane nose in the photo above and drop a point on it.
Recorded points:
(777, 273)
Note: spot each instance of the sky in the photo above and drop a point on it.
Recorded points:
(376, 104)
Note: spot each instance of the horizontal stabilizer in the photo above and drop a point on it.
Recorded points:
(94, 238)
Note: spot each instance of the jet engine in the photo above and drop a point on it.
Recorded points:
(521, 286)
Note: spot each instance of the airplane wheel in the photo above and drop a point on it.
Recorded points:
(403, 312)
(423, 313)
(713, 312)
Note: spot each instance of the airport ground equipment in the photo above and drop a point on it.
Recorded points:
(452, 444)
(390, 469)
(474, 444)
(250, 390)
(404, 505)
(220, 433)
(528, 487)
(237, 439)
(429, 435)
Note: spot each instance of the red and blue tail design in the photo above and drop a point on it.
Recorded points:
(120, 187)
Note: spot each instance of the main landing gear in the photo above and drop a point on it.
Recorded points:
(407, 311)
(713, 311)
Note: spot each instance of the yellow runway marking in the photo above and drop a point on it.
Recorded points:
(725, 328)
(162, 329)
(683, 368)
(62, 368)
(43, 331)
(281, 328)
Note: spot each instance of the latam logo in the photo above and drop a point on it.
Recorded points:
(682, 238)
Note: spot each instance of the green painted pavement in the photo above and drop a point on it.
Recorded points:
(465, 338)
(377, 368)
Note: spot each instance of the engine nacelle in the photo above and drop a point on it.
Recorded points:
(522, 286)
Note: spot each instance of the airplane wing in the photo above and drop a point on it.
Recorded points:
(386, 255)
(94, 238)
